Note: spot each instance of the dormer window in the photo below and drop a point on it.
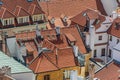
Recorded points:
(117, 26)
(9, 21)
(71, 39)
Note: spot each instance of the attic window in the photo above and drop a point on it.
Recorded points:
(29, 0)
(117, 26)
(1, 2)
(96, 21)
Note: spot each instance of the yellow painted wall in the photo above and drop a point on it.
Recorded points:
(87, 62)
(57, 75)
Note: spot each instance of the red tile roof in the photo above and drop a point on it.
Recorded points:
(20, 12)
(109, 73)
(92, 14)
(53, 60)
(34, 10)
(52, 42)
(4, 13)
(55, 8)
(11, 5)
(113, 30)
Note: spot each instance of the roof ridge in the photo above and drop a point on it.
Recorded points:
(51, 61)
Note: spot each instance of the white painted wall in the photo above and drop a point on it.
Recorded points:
(104, 38)
(109, 6)
(98, 51)
(24, 76)
(116, 55)
(113, 43)
(105, 25)
(11, 43)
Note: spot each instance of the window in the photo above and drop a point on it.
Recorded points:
(20, 20)
(66, 74)
(23, 19)
(8, 22)
(117, 41)
(95, 53)
(100, 37)
(109, 53)
(110, 38)
(47, 77)
(103, 52)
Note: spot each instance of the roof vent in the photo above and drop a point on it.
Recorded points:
(52, 21)
(57, 31)
(64, 18)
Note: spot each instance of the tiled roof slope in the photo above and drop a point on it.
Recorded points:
(62, 43)
(11, 5)
(110, 72)
(4, 13)
(55, 8)
(113, 30)
(53, 60)
(80, 19)
(50, 40)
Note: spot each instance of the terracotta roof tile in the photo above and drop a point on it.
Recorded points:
(113, 29)
(70, 37)
(80, 19)
(55, 8)
(52, 61)
(20, 12)
(109, 73)
(4, 13)
(11, 5)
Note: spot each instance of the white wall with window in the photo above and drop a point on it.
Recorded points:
(113, 41)
(23, 19)
(37, 17)
(101, 38)
(8, 21)
(100, 51)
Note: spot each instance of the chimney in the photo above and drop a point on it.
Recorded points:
(64, 18)
(114, 15)
(38, 33)
(52, 20)
(75, 50)
(91, 71)
(57, 56)
(92, 38)
(57, 32)
(6, 70)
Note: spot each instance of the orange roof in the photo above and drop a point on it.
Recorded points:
(53, 60)
(4, 13)
(62, 43)
(28, 47)
(109, 73)
(34, 10)
(52, 42)
(113, 30)
(70, 37)
(19, 12)
(11, 5)
(80, 19)
(55, 8)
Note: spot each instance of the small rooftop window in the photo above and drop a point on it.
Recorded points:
(1, 2)
(29, 0)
